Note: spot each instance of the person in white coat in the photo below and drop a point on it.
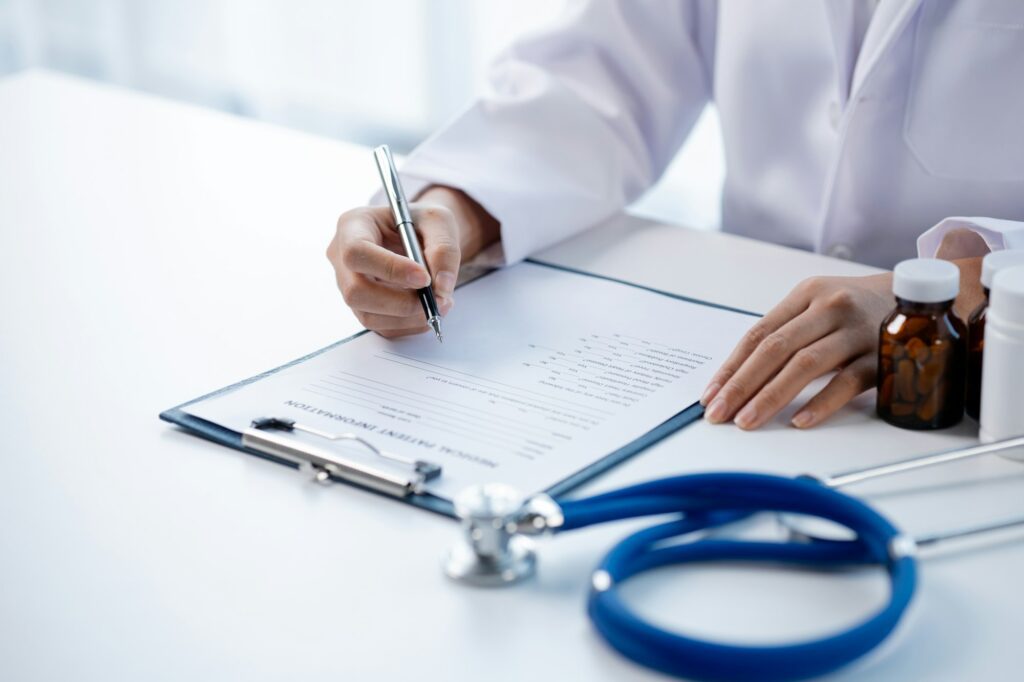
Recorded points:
(850, 127)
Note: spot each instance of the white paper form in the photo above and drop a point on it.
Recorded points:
(542, 373)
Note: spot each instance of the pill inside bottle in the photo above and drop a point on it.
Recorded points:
(922, 354)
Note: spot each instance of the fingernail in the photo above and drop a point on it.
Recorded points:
(444, 283)
(802, 419)
(417, 278)
(716, 412)
(747, 416)
(445, 304)
(709, 393)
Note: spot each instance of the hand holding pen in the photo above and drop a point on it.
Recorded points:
(407, 231)
(379, 282)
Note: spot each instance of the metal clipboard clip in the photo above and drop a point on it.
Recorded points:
(399, 477)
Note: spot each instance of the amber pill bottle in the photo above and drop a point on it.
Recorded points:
(993, 263)
(922, 352)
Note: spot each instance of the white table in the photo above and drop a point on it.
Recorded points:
(153, 251)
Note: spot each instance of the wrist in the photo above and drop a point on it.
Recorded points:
(478, 229)
(971, 292)
(961, 243)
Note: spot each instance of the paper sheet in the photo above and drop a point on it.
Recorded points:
(542, 372)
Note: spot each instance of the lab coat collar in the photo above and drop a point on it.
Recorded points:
(888, 23)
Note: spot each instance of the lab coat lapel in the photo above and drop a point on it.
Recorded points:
(887, 25)
(840, 22)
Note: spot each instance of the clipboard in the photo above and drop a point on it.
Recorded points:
(286, 442)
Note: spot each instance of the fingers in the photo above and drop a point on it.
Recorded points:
(439, 235)
(806, 365)
(791, 342)
(373, 260)
(398, 333)
(793, 305)
(378, 283)
(850, 382)
(365, 295)
(358, 247)
(409, 324)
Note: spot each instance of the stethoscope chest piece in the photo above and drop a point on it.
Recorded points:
(491, 552)
(494, 549)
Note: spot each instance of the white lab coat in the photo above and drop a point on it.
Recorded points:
(846, 152)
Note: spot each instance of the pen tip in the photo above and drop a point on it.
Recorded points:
(435, 324)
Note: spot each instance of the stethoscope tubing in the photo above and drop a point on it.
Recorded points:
(707, 501)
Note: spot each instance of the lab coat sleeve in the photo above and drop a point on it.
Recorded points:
(577, 121)
(998, 234)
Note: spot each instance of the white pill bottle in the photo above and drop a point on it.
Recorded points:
(1002, 378)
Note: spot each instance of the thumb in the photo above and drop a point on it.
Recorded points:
(439, 235)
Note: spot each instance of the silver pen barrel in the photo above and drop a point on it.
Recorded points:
(392, 185)
(407, 230)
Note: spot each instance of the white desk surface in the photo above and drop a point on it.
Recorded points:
(152, 252)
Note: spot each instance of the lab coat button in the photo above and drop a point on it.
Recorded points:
(841, 251)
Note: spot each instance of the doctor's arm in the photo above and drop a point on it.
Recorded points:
(575, 123)
(826, 324)
(831, 324)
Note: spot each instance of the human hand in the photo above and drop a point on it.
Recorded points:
(377, 280)
(824, 324)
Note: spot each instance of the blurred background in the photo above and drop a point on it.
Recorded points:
(318, 66)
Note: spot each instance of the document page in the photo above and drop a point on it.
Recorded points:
(542, 373)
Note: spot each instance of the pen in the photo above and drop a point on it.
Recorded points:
(406, 228)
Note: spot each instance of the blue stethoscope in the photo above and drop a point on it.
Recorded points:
(495, 552)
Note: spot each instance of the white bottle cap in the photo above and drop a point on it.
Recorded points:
(996, 261)
(1007, 301)
(926, 280)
